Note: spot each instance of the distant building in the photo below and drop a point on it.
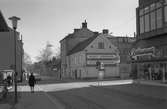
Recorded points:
(83, 57)
(70, 41)
(124, 45)
(7, 48)
(149, 53)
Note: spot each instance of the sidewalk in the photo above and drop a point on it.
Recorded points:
(37, 100)
(152, 83)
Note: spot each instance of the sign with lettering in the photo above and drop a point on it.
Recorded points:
(105, 62)
(101, 56)
(143, 51)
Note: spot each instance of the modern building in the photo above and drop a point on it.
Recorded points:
(7, 55)
(124, 45)
(70, 41)
(82, 59)
(149, 53)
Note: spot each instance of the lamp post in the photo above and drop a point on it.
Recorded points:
(14, 20)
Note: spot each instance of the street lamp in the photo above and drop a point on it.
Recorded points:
(14, 20)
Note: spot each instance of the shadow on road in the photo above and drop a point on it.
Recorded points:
(113, 97)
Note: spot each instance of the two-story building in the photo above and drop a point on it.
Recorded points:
(149, 53)
(7, 54)
(83, 57)
(70, 41)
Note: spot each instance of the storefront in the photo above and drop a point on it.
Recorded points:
(148, 64)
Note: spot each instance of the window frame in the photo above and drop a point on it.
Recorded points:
(100, 45)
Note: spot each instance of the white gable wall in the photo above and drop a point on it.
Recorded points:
(79, 67)
(107, 44)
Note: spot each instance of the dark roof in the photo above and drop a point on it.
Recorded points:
(71, 35)
(82, 45)
(3, 24)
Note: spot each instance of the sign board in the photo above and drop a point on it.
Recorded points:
(143, 51)
(108, 62)
(101, 56)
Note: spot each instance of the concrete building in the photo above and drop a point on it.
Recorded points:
(7, 55)
(150, 50)
(82, 59)
(70, 41)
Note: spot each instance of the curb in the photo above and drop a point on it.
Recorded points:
(150, 83)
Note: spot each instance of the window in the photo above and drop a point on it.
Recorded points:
(100, 45)
(152, 6)
(75, 62)
(141, 12)
(165, 1)
(159, 18)
(147, 23)
(158, 4)
(146, 9)
(153, 25)
(142, 24)
(91, 46)
(166, 13)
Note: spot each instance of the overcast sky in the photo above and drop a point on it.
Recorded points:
(51, 20)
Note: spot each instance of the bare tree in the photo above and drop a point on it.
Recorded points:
(27, 62)
(46, 54)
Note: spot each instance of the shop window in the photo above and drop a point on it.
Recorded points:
(158, 4)
(166, 13)
(147, 23)
(152, 6)
(165, 1)
(141, 12)
(141, 24)
(146, 9)
(153, 19)
(159, 18)
(100, 45)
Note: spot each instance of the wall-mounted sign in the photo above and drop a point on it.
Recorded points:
(143, 51)
(105, 62)
(101, 56)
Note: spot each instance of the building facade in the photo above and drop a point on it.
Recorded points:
(7, 55)
(69, 42)
(149, 53)
(83, 57)
(124, 45)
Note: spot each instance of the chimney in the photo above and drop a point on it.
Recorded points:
(76, 30)
(84, 24)
(96, 33)
(105, 31)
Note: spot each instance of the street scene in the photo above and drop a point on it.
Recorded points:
(83, 54)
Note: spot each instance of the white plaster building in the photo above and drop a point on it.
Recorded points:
(81, 60)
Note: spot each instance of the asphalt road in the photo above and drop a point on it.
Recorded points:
(109, 95)
(113, 97)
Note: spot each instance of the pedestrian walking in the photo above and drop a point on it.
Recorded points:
(9, 80)
(32, 82)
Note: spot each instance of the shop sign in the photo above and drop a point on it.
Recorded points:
(101, 56)
(144, 51)
(105, 62)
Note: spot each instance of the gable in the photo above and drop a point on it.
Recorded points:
(104, 42)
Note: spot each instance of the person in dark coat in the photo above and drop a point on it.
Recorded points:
(32, 82)
(9, 79)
